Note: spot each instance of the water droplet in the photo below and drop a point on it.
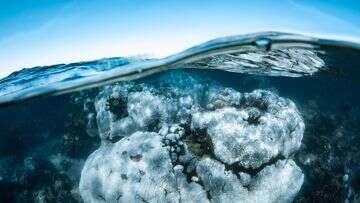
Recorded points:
(263, 43)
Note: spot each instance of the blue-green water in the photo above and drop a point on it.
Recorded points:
(257, 118)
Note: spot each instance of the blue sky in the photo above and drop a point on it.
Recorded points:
(45, 32)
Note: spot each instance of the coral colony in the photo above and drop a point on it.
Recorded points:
(190, 141)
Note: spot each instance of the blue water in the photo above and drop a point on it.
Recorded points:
(62, 124)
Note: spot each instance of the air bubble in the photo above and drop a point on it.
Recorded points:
(263, 43)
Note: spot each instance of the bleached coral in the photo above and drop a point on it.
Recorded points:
(186, 140)
(135, 169)
(139, 168)
(264, 127)
(279, 182)
(144, 111)
(124, 171)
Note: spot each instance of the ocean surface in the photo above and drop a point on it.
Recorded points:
(264, 117)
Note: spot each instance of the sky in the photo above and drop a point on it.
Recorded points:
(46, 32)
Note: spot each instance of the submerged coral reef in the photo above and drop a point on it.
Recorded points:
(186, 136)
(189, 140)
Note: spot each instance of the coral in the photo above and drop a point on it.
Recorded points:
(263, 128)
(140, 168)
(190, 142)
(135, 169)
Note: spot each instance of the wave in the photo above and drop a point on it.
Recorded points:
(269, 53)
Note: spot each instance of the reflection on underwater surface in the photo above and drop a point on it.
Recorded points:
(202, 133)
(269, 53)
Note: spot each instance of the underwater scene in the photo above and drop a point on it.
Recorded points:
(265, 117)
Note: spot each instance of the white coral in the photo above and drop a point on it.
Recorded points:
(135, 169)
(159, 157)
(265, 127)
(279, 182)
